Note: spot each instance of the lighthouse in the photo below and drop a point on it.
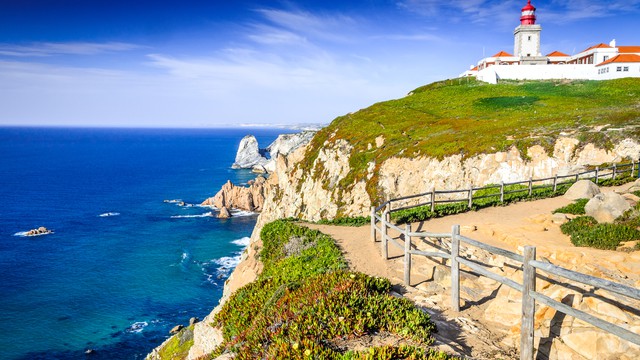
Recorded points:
(527, 38)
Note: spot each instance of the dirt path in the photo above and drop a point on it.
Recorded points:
(511, 227)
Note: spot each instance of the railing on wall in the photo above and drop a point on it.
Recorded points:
(381, 226)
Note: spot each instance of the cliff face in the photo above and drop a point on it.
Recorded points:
(289, 192)
(321, 194)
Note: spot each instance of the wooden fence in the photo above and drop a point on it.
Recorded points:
(381, 225)
(468, 195)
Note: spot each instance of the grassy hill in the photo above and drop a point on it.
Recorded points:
(468, 117)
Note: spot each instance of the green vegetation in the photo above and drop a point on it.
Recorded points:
(575, 208)
(347, 221)
(467, 117)
(305, 299)
(178, 345)
(585, 231)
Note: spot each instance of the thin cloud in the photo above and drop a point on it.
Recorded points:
(44, 49)
(331, 27)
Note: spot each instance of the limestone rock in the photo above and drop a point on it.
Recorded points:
(559, 218)
(176, 329)
(193, 321)
(224, 213)
(635, 186)
(239, 197)
(583, 189)
(606, 207)
(283, 145)
(248, 154)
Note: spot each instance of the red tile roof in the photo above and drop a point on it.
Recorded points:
(502, 53)
(622, 58)
(599, 46)
(628, 49)
(557, 53)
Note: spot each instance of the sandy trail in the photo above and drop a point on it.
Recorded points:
(510, 227)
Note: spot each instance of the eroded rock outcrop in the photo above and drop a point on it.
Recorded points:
(283, 145)
(249, 154)
(249, 198)
(606, 207)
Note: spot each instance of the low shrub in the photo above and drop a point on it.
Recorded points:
(585, 231)
(347, 221)
(575, 208)
(301, 302)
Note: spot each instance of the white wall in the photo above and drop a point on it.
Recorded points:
(495, 73)
(613, 73)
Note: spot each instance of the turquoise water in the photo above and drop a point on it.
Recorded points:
(122, 266)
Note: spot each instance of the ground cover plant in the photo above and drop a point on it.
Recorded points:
(466, 117)
(305, 298)
(575, 208)
(586, 231)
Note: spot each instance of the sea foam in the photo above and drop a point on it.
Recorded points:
(107, 214)
(207, 214)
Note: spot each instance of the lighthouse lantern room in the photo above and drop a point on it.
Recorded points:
(527, 38)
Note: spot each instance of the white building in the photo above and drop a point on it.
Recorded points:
(598, 62)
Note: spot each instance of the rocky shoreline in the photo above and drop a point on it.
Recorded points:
(288, 193)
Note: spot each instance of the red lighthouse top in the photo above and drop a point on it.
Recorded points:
(528, 14)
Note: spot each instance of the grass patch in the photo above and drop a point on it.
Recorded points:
(347, 221)
(467, 118)
(575, 208)
(305, 298)
(178, 345)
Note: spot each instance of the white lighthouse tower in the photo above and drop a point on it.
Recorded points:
(527, 38)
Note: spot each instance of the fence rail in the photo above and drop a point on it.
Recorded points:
(468, 195)
(381, 224)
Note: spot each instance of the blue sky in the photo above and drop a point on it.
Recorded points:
(205, 63)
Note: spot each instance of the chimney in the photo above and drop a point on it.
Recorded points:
(613, 43)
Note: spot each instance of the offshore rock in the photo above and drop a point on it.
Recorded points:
(239, 197)
(284, 145)
(248, 154)
(224, 213)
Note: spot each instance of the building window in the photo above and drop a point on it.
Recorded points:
(626, 68)
(605, 58)
(619, 68)
(529, 38)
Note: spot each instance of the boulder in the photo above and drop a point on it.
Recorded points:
(224, 213)
(176, 329)
(249, 154)
(635, 186)
(193, 321)
(583, 189)
(606, 207)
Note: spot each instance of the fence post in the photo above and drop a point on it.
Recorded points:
(577, 177)
(373, 223)
(528, 304)
(614, 171)
(555, 183)
(433, 199)
(633, 167)
(385, 248)
(501, 191)
(530, 185)
(470, 196)
(597, 170)
(455, 268)
(407, 255)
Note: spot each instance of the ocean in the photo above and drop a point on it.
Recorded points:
(122, 266)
